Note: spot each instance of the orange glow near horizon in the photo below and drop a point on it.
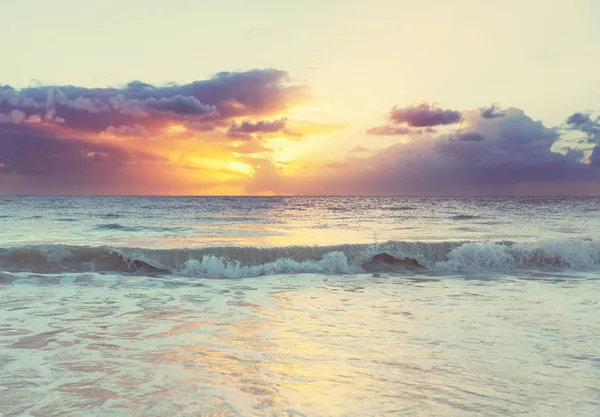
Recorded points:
(269, 150)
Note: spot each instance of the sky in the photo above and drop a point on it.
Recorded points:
(265, 97)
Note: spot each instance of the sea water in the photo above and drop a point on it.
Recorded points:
(148, 306)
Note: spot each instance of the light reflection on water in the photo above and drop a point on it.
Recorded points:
(298, 345)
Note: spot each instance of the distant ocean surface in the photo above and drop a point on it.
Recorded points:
(252, 306)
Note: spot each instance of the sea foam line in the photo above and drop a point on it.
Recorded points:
(242, 261)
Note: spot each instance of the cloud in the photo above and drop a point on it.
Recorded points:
(584, 122)
(469, 137)
(13, 98)
(200, 126)
(590, 127)
(224, 96)
(135, 130)
(492, 112)
(595, 157)
(577, 120)
(499, 155)
(423, 115)
(177, 107)
(95, 137)
(387, 130)
(180, 106)
(14, 117)
(261, 126)
(81, 103)
(68, 132)
(26, 150)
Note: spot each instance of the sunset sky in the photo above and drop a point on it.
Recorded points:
(328, 97)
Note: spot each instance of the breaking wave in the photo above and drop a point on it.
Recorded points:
(245, 261)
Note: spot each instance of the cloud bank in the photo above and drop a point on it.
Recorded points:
(490, 152)
(222, 136)
(73, 130)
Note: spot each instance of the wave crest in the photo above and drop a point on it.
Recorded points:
(244, 261)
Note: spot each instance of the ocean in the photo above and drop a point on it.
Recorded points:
(258, 306)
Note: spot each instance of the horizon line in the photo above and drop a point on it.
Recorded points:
(309, 195)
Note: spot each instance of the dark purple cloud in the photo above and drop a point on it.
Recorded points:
(137, 85)
(487, 156)
(13, 117)
(262, 126)
(180, 106)
(224, 96)
(595, 157)
(492, 112)
(578, 119)
(587, 124)
(424, 115)
(67, 129)
(26, 150)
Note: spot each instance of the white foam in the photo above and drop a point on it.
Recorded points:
(573, 254)
(239, 261)
(214, 267)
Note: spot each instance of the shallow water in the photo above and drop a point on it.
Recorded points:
(310, 345)
(240, 324)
